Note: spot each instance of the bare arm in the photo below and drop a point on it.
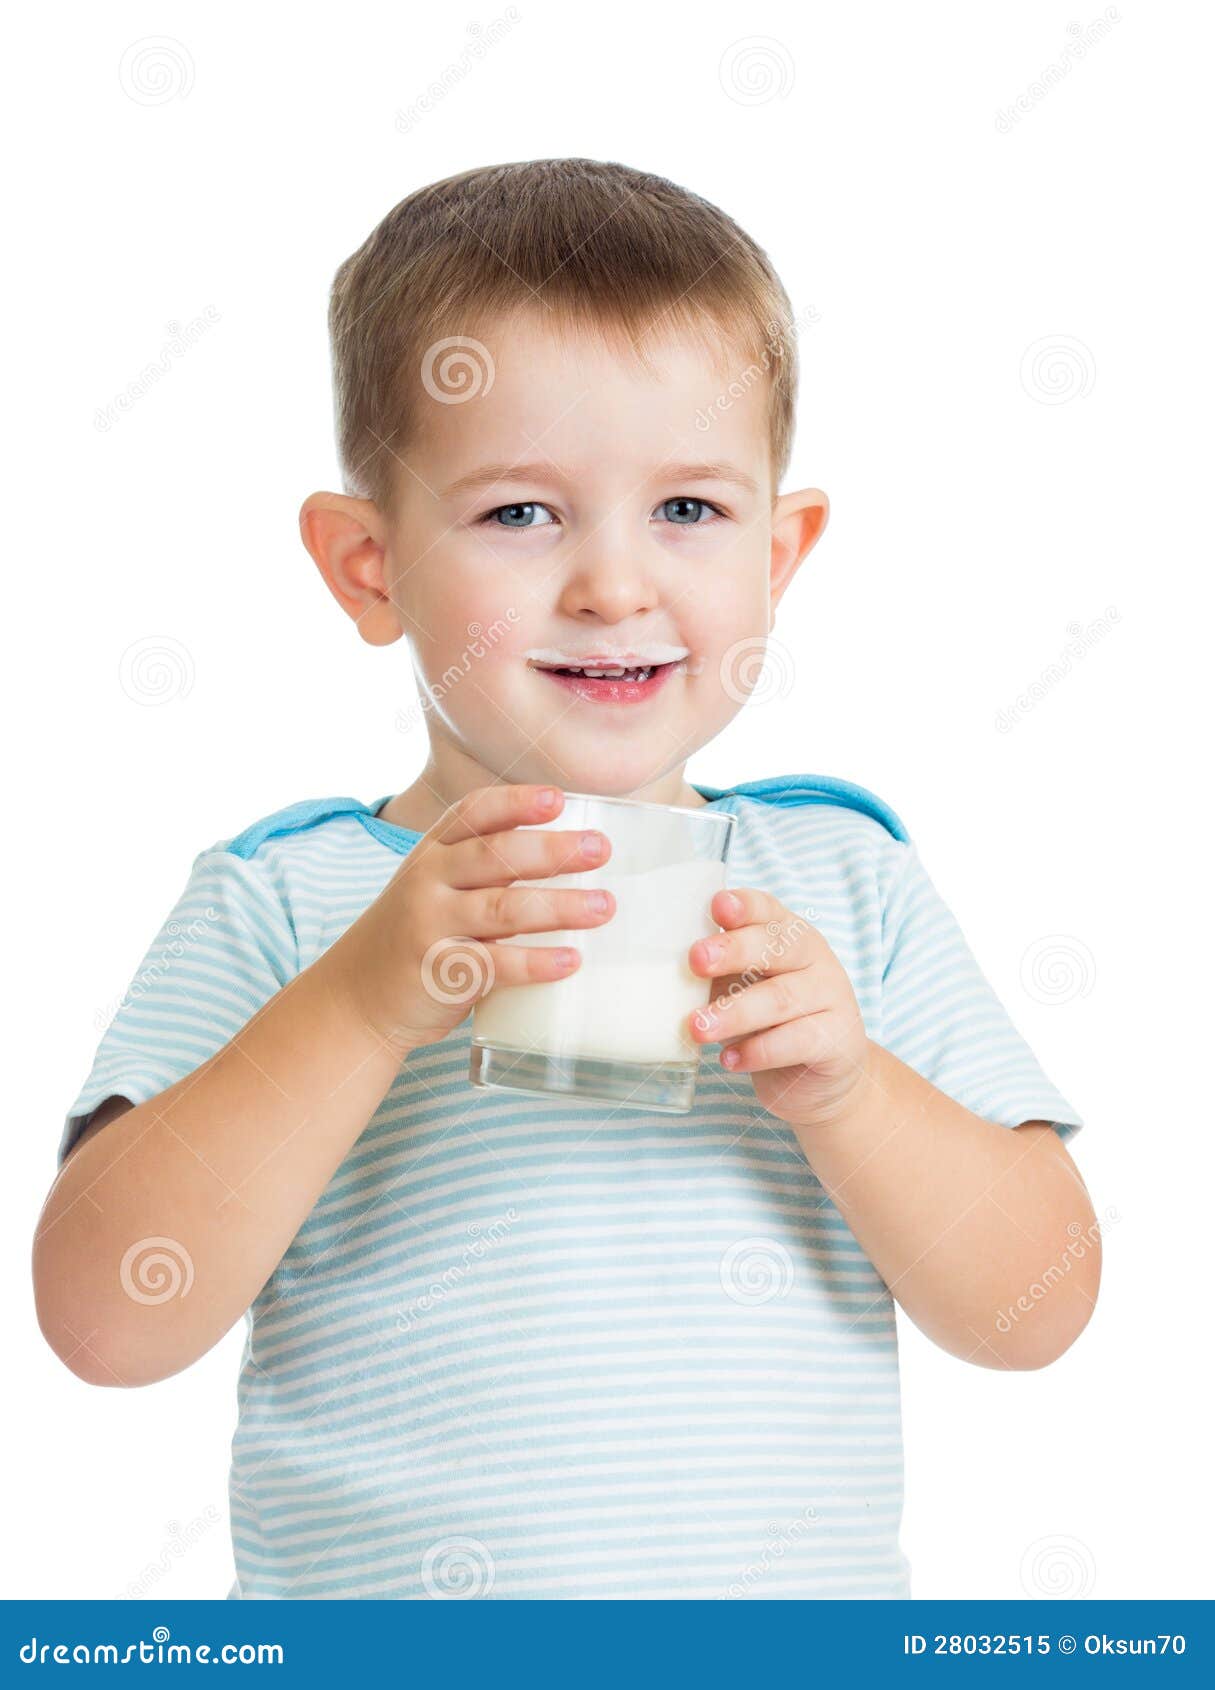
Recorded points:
(215, 1175)
(985, 1236)
(222, 1168)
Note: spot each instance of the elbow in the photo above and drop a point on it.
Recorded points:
(86, 1341)
(83, 1359)
(72, 1342)
(1044, 1333)
(1030, 1355)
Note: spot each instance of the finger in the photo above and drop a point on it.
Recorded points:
(520, 965)
(734, 906)
(461, 969)
(807, 1041)
(769, 947)
(488, 809)
(766, 1003)
(494, 859)
(499, 911)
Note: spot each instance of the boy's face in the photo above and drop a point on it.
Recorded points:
(556, 512)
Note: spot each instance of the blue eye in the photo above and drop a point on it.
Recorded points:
(687, 513)
(517, 516)
(681, 512)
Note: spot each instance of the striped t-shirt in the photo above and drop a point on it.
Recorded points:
(531, 1347)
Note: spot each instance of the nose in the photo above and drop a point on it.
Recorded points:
(607, 576)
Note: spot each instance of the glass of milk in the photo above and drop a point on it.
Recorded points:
(616, 1029)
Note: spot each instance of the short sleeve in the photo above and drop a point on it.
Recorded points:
(223, 951)
(941, 1016)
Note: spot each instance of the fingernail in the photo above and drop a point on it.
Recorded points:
(591, 845)
(710, 950)
(599, 901)
(565, 958)
(729, 1059)
(732, 905)
(547, 797)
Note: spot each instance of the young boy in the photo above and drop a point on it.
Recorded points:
(508, 1344)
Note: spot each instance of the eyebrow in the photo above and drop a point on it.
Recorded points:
(488, 474)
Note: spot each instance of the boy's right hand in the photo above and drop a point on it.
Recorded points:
(418, 958)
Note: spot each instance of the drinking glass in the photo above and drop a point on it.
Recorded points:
(616, 1029)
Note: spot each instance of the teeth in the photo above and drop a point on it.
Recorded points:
(609, 674)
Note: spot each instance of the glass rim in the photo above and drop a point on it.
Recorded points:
(671, 809)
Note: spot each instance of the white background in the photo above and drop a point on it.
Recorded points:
(985, 502)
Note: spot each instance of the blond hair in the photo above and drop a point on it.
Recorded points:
(598, 244)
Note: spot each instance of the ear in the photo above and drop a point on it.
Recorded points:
(345, 538)
(798, 519)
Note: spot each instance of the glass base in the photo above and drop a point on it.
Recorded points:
(666, 1086)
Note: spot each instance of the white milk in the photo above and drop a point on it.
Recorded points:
(629, 998)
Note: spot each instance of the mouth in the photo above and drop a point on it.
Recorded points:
(611, 684)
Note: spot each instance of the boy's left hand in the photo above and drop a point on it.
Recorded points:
(783, 1005)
